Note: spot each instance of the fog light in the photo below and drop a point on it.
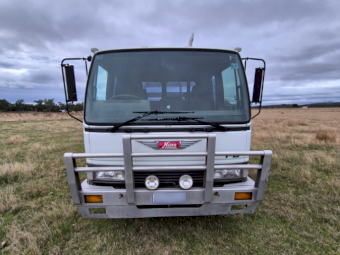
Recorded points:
(152, 182)
(186, 181)
(93, 198)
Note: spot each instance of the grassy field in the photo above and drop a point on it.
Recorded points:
(300, 213)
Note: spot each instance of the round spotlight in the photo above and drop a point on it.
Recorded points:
(186, 181)
(152, 182)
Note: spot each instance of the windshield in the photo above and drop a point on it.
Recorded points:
(209, 84)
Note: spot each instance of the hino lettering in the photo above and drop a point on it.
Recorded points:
(167, 132)
(168, 145)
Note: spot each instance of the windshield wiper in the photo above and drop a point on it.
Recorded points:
(180, 118)
(115, 128)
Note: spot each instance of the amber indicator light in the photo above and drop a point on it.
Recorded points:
(243, 195)
(93, 198)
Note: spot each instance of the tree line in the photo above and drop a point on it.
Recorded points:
(41, 105)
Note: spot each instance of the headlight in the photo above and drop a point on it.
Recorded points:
(228, 174)
(152, 182)
(186, 181)
(112, 175)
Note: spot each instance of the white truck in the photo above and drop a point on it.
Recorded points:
(167, 132)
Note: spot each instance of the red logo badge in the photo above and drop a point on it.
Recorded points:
(169, 145)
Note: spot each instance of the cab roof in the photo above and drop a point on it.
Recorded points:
(166, 48)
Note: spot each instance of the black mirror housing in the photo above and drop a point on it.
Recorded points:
(71, 84)
(258, 85)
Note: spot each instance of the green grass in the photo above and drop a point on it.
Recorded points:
(300, 213)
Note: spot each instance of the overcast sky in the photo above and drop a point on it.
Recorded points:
(300, 40)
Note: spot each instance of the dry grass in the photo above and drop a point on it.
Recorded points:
(326, 136)
(16, 139)
(8, 200)
(300, 213)
(296, 123)
(15, 170)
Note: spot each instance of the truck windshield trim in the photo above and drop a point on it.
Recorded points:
(210, 82)
(169, 129)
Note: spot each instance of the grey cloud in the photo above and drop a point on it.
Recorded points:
(306, 72)
(298, 39)
(31, 94)
(61, 23)
(38, 77)
(240, 13)
(323, 71)
(38, 23)
(6, 65)
(309, 52)
(303, 97)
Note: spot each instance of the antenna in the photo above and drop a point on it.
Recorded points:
(191, 40)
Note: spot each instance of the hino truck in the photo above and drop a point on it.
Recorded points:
(167, 132)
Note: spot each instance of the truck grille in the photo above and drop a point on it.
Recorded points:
(169, 179)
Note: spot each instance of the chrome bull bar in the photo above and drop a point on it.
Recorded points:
(262, 168)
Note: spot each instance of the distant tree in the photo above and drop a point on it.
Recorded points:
(70, 106)
(78, 107)
(38, 102)
(48, 103)
(295, 106)
(5, 105)
(39, 105)
(62, 106)
(19, 101)
(19, 105)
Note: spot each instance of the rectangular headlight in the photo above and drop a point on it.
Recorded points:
(228, 174)
(111, 175)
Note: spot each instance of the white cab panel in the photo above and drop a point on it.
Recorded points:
(112, 143)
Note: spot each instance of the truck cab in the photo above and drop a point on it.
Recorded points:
(167, 132)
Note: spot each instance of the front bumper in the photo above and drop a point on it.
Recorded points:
(141, 203)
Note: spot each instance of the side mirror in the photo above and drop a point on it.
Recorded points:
(71, 84)
(258, 85)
